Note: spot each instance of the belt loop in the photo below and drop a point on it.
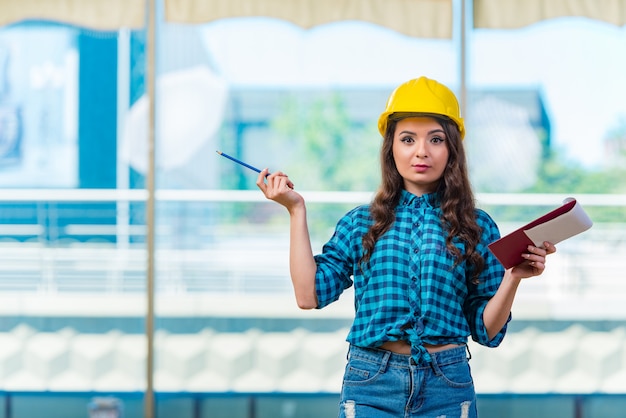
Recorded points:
(469, 353)
(434, 365)
(384, 360)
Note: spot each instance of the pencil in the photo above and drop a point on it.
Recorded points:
(239, 162)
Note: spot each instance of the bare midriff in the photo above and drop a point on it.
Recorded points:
(402, 347)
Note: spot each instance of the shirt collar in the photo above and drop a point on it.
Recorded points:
(428, 199)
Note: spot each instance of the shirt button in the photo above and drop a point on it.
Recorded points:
(416, 250)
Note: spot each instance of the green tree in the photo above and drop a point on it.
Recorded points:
(615, 141)
(559, 175)
(327, 149)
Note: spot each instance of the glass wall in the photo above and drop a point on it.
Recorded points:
(72, 229)
(545, 121)
(279, 103)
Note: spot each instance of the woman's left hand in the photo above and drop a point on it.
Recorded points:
(535, 261)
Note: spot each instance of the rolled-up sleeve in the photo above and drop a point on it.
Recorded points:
(334, 264)
(488, 283)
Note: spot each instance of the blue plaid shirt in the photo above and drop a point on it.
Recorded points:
(410, 290)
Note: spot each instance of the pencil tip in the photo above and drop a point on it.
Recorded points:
(219, 152)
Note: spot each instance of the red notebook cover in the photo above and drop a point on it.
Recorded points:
(508, 249)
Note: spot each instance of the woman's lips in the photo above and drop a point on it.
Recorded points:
(420, 168)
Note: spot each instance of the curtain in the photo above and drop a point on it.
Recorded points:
(508, 14)
(418, 18)
(94, 14)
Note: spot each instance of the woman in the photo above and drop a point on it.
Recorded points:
(423, 277)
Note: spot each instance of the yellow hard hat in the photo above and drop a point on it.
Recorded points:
(422, 95)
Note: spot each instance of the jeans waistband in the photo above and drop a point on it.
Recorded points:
(444, 357)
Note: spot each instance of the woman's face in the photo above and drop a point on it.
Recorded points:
(420, 153)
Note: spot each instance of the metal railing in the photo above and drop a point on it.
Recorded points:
(236, 242)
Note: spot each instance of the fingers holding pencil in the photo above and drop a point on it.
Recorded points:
(275, 186)
(274, 183)
(278, 187)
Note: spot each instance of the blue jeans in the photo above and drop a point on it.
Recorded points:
(382, 384)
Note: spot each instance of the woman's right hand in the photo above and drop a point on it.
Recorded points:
(279, 188)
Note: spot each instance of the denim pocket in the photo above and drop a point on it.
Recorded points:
(457, 374)
(360, 371)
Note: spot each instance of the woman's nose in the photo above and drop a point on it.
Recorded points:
(421, 149)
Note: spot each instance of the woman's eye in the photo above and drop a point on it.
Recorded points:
(436, 140)
(406, 139)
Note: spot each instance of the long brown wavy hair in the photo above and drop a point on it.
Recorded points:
(453, 191)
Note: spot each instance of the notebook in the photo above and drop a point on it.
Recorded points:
(558, 225)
